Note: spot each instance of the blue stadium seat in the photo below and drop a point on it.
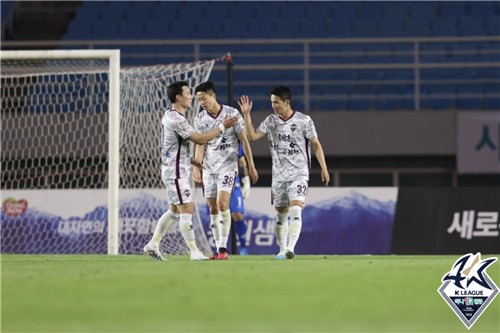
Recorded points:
(451, 9)
(391, 27)
(492, 26)
(443, 26)
(483, 8)
(416, 27)
(327, 104)
(395, 9)
(490, 103)
(369, 9)
(364, 28)
(422, 9)
(467, 103)
(437, 103)
(337, 27)
(468, 26)
(359, 104)
(344, 9)
(385, 104)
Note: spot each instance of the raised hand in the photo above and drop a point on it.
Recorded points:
(245, 104)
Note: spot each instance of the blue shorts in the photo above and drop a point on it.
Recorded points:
(236, 204)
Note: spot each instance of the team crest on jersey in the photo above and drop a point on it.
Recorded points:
(293, 127)
(467, 288)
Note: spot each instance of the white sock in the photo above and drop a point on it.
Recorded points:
(282, 230)
(225, 227)
(163, 226)
(214, 225)
(186, 226)
(295, 227)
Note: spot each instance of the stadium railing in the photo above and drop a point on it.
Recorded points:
(336, 74)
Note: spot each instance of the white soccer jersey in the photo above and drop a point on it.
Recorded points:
(175, 155)
(221, 153)
(289, 142)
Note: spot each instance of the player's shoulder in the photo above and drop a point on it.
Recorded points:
(302, 117)
(229, 110)
(172, 115)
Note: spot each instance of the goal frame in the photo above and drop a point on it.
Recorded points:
(113, 56)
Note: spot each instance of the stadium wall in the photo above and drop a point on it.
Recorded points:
(379, 133)
(341, 133)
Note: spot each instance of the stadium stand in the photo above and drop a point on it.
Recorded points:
(383, 88)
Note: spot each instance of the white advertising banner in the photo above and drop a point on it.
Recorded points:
(478, 142)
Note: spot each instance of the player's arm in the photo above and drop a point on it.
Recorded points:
(247, 150)
(199, 154)
(246, 106)
(245, 179)
(320, 156)
(202, 138)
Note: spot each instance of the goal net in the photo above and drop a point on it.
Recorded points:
(143, 93)
(80, 152)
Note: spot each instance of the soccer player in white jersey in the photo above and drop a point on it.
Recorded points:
(290, 134)
(176, 168)
(220, 162)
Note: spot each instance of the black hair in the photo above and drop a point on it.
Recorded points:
(206, 87)
(175, 89)
(282, 92)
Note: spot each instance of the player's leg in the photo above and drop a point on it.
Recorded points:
(237, 208)
(210, 192)
(162, 227)
(225, 184)
(280, 201)
(184, 204)
(214, 220)
(297, 192)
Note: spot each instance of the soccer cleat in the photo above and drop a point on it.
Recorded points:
(280, 256)
(153, 251)
(244, 251)
(198, 255)
(222, 256)
(289, 254)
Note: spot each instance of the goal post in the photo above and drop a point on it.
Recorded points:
(75, 121)
(113, 59)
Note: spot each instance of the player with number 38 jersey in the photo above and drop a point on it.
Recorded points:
(220, 162)
(221, 153)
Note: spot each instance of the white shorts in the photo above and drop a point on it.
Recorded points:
(178, 191)
(213, 183)
(284, 192)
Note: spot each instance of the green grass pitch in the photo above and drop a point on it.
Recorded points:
(100, 293)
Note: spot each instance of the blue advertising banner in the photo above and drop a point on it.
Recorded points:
(335, 221)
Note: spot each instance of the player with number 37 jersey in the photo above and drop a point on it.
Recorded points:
(290, 145)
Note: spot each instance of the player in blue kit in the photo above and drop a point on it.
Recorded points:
(236, 205)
